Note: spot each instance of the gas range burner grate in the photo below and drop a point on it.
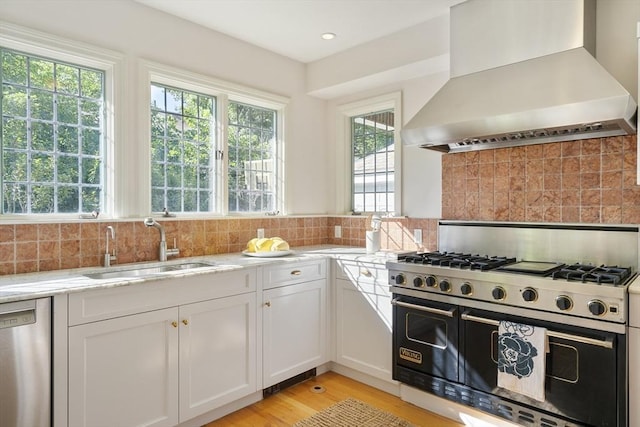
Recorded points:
(457, 260)
(611, 275)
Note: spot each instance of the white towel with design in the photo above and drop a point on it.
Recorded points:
(521, 359)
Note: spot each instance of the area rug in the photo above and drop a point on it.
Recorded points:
(352, 413)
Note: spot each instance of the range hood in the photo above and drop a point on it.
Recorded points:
(522, 72)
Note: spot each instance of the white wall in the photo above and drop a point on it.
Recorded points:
(140, 32)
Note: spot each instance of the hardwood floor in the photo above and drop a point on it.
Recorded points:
(298, 402)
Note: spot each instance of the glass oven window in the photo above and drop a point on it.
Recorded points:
(426, 330)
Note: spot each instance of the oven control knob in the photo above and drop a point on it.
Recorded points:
(466, 288)
(400, 280)
(445, 286)
(498, 293)
(432, 282)
(564, 303)
(529, 294)
(418, 282)
(597, 307)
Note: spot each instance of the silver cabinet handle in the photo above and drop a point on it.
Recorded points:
(296, 272)
(608, 343)
(365, 272)
(447, 313)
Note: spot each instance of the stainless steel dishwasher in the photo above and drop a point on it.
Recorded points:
(25, 363)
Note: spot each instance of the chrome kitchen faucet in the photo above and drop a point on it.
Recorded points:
(108, 257)
(163, 252)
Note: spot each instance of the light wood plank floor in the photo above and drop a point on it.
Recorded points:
(298, 402)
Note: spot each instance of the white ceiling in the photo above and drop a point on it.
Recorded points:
(293, 27)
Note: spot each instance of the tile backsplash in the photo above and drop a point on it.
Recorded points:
(589, 181)
(26, 248)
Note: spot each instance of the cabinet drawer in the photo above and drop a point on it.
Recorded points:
(362, 272)
(101, 304)
(290, 273)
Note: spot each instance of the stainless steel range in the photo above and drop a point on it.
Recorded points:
(571, 280)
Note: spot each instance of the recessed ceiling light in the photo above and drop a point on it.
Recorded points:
(328, 36)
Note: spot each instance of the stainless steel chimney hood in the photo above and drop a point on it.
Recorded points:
(522, 73)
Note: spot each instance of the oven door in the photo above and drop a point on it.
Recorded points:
(425, 338)
(583, 383)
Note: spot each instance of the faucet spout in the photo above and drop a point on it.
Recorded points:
(162, 250)
(108, 257)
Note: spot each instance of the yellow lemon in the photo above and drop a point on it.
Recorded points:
(263, 245)
(279, 245)
(251, 245)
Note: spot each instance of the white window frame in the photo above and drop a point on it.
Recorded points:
(36, 43)
(344, 151)
(152, 72)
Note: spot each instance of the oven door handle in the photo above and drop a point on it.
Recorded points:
(448, 313)
(608, 343)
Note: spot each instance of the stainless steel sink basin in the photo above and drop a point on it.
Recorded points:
(148, 271)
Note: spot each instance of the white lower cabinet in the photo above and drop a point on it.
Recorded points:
(217, 353)
(124, 371)
(294, 324)
(363, 319)
(163, 367)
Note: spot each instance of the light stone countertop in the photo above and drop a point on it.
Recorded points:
(634, 287)
(44, 284)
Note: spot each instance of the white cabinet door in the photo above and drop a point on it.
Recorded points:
(218, 353)
(294, 330)
(363, 328)
(124, 371)
(634, 376)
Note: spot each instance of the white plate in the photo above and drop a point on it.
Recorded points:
(269, 254)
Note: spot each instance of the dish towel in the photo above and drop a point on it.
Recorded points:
(521, 358)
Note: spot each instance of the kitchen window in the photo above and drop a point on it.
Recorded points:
(52, 135)
(57, 136)
(215, 148)
(368, 131)
(252, 162)
(183, 141)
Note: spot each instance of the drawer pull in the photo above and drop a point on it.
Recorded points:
(185, 322)
(296, 272)
(365, 272)
(267, 304)
(174, 324)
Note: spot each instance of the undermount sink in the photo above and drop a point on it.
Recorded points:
(148, 271)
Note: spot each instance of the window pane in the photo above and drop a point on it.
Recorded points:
(14, 101)
(178, 119)
(372, 141)
(68, 170)
(67, 79)
(67, 109)
(42, 136)
(41, 74)
(41, 105)
(14, 133)
(15, 198)
(91, 83)
(68, 199)
(252, 168)
(14, 68)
